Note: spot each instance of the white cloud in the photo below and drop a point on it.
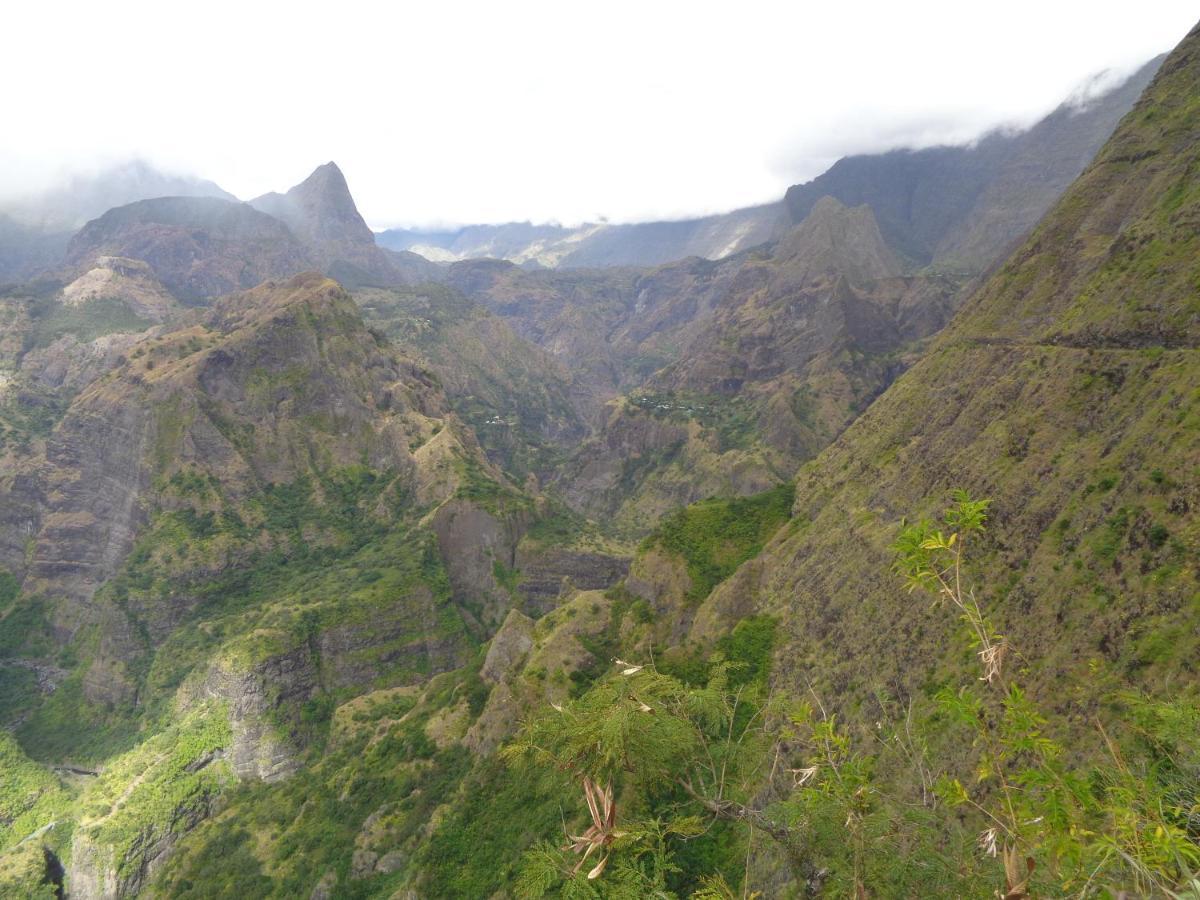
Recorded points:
(491, 111)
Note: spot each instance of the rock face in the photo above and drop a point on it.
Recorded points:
(198, 247)
(545, 571)
(322, 214)
(475, 544)
(130, 281)
(320, 211)
(269, 382)
(93, 874)
(72, 365)
(509, 647)
(255, 698)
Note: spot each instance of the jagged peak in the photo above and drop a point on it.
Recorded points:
(840, 238)
(320, 208)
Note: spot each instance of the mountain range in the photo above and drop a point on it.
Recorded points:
(303, 534)
(955, 206)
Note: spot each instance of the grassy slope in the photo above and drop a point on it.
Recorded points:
(1068, 390)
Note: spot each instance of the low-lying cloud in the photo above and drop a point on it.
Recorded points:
(542, 111)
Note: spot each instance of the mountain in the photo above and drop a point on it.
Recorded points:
(193, 479)
(323, 216)
(198, 247)
(721, 377)
(597, 244)
(36, 229)
(201, 247)
(962, 208)
(66, 207)
(305, 589)
(799, 339)
(1065, 390)
(958, 207)
(514, 395)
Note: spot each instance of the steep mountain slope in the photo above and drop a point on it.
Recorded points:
(1066, 391)
(801, 338)
(962, 208)
(515, 396)
(198, 247)
(231, 523)
(322, 215)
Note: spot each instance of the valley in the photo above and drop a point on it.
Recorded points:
(337, 564)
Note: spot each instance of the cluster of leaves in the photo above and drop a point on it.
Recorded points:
(1075, 831)
(680, 760)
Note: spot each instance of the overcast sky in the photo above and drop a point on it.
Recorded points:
(454, 112)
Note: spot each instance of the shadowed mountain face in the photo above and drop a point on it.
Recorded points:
(198, 247)
(321, 213)
(319, 210)
(961, 208)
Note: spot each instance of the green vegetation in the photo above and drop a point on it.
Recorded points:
(146, 794)
(373, 790)
(1024, 725)
(714, 537)
(476, 850)
(513, 396)
(734, 421)
(28, 415)
(86, 322)
(971, 793)
(66, 725)
(30, 795)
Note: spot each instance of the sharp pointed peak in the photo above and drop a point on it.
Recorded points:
(326, 174)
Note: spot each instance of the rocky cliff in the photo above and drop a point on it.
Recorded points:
(323, 216)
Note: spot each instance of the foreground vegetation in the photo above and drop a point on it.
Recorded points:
(975, 793)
